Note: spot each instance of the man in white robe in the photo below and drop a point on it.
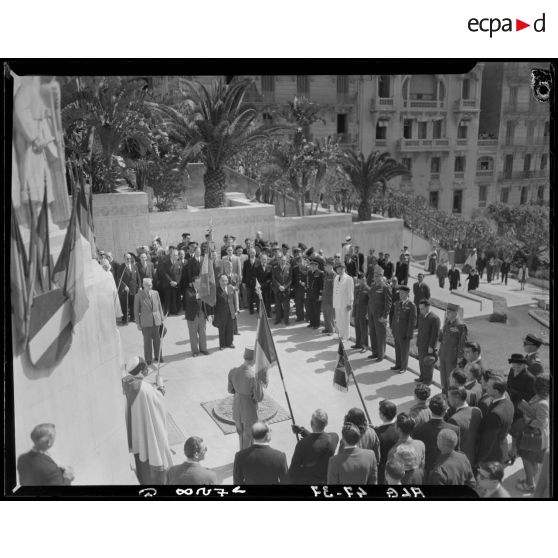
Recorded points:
(146, 421)
(343, 296)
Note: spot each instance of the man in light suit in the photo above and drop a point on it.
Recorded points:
(352, 465)
(248, 392)
(148, 313)
(282, 277)
(128, 285)
(259, 463)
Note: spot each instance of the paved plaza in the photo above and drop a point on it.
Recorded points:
(307, 361)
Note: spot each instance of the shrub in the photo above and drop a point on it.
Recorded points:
(500, 317)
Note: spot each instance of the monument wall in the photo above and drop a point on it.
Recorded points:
(82, 394)
(121, 222)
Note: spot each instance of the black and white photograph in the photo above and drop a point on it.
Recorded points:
(279, 286)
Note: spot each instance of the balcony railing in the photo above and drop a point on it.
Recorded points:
(422, 104)
(381, 103)
(345, 139)
(485, 173)
(492, 142)
(521, 175)
(422, 144)
(465, 104)
(380, 142)
(459, 175)
(461, 141)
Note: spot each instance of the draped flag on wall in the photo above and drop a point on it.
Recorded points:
(85, 205)
(69, 271)
(208, 289)
(19, 273)
(265, 355)
(342, 369)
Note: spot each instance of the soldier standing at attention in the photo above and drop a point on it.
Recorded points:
(402, 326)
(452, 341)
(379, 303)
(315, 285)
(248, 392)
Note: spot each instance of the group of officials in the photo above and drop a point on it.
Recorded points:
(474, 414)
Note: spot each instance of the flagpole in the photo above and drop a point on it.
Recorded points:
(49, 271)
(160, 351)
(354, 378)
(264, 316)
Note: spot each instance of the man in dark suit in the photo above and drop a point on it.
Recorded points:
(314, 288)
(427, 339)
(495, 425)
(352, 465)
(146, 269)
(312, 452)
(170, 276)
(300, 273)
(402, 271)
(148, 312)
(114, 267)
(421, 291)
(428, 432)
(282, 277)
(388, 267)
(129, 281)
(260, 464)
(387, 434)
(264, 277)
(379, 304)
(36, 467)
(452, 343)
(249, 276)
(467, 419)
(197, 313)
(192, 269)
(191, 472)
(402, 326)
(452, 468)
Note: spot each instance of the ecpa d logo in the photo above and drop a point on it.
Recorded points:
(494, 24)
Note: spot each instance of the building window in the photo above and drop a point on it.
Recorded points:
(508, 166)
(384, 86)
(341, 123)
(485, 164)
(435, 165)
(544, 161)
(268, 85)
(407, 163)
(462, 131)
(423, 87)
(504, 195)
(407, 128)
(527, 163)
(530, 131)
(457, 201)
(267, 119)
(546, 129)
(381, 130)
(433, 199)
(540, 193)
(513, 97)
(524, 195)
(342, 85)
(437, 129)
(303, 86)
(422, 130)
(459, 165)
(509, 132)
(466, 90)
(483, 195)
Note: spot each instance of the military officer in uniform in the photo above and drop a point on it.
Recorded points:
(452, 341)
(427, 339)
(531, 344)
(315, 285)
(379, 303)
(402, 326)
(299, 285)
(248, 391)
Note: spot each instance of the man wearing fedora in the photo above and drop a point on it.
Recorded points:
(452, 342)
(248, 391)
(427, 339)
(531, 344)
(343, 298)
(379, 304)
(521, 382)
(148, 313)
(402, 326)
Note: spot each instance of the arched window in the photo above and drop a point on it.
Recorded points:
(485, 164)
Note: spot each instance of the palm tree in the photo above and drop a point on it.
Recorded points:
(367, 174)
(214, 126)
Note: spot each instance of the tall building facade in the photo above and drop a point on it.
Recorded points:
(468, 139)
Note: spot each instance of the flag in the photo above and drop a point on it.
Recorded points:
(342, 369)
(42, 242)
(265, 355)
(208, 290)
(86, 217)
(69, 271)
(19, 272)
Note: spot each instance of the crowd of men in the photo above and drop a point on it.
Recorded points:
(458, 437)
